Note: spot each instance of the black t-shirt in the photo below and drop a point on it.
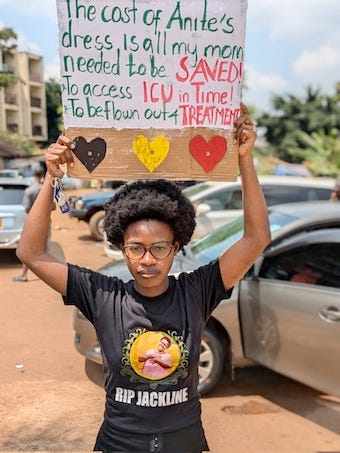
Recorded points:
(150, 345)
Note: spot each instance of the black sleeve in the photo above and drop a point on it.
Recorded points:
(88, 290)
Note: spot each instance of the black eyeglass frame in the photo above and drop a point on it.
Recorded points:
(148, 249)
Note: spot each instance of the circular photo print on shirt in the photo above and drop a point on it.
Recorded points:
(154, 355)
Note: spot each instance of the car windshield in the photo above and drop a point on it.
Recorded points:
(213, 244)
(11, 196)
(195, 189)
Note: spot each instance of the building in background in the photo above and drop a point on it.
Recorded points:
(23, 104)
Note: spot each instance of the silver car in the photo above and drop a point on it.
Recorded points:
(12, 212)
(284, 314)
(218, 203)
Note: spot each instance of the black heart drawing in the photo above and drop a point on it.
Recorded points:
(90, 153)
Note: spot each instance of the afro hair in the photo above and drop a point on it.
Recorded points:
(149, 200)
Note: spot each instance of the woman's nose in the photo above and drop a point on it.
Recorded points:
(148, 257)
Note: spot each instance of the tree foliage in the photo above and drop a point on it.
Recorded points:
(305, 130)
(8, 39)
(54, 109)
(7, 79)
(18, 141)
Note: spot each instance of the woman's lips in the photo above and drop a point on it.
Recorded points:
(148, 273)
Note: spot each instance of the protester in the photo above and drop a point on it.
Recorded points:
(335, 195)
(30, 195)
(150, 221)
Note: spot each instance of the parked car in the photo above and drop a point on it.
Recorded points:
(218, 203)
(10, 173)
(70, 183)
(277, 316)
(12, 212)
(90, 208)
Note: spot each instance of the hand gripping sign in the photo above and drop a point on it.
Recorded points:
(152, 89)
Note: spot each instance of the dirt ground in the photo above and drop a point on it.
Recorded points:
(51, 400)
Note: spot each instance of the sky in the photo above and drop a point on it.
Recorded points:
(290, 44)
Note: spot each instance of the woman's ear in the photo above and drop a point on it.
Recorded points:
(176, 247)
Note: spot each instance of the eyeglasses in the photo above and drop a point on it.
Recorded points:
(159, 251)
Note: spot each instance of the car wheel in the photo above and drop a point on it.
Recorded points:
(211, 362)
(96, 224)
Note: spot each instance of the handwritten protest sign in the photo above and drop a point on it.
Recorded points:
(152, 88)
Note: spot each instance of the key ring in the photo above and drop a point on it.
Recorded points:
(54, 182)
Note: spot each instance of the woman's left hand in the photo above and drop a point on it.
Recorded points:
(245, 132)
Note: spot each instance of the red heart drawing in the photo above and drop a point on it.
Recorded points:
(208, 154)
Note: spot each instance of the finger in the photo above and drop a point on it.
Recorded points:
(57, 154)
(63, 140)
(244, 125)
(249, 127)
(245, 133)
(243, 119)
(63, 148)
(244, 109)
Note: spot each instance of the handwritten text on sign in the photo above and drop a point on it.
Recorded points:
(138, 64)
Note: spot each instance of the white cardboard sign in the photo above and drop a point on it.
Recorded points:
(146, 78)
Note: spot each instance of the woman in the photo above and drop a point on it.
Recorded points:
(150, 221)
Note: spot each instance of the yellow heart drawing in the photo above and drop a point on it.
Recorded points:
(151, 154)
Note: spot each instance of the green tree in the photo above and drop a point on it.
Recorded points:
(8, 42)
(18, 141)
(54, 109)
(305, 130)
(321, 152)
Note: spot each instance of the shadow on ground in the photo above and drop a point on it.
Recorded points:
(284, 392)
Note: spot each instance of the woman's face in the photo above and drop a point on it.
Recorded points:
(150, 273)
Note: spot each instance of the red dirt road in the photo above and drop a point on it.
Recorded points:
(48, 402)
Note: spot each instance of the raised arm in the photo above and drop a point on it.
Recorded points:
(235, 261)
(33, 247)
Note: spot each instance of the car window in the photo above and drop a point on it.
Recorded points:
(286, 194)
(195, 189)
(316, 264)
(11, 196)
(320, 194)
(213, 244)
(217, 201)
(224, 199)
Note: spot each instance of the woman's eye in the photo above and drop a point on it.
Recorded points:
(136, 248)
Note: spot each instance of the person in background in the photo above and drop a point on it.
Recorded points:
(335, 195)
(30, 195)
(151, 221)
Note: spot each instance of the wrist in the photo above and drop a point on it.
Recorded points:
(247, 160)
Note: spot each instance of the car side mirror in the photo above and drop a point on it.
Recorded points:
(202, 208)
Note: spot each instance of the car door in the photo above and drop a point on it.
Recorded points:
(290, 310)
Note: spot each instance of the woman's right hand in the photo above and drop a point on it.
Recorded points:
(57, 154)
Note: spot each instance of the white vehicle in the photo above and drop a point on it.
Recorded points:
(12, 212)
(218, 203)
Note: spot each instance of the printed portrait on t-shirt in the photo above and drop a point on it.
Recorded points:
(156, 357)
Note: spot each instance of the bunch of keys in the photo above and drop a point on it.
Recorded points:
(59, 196)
